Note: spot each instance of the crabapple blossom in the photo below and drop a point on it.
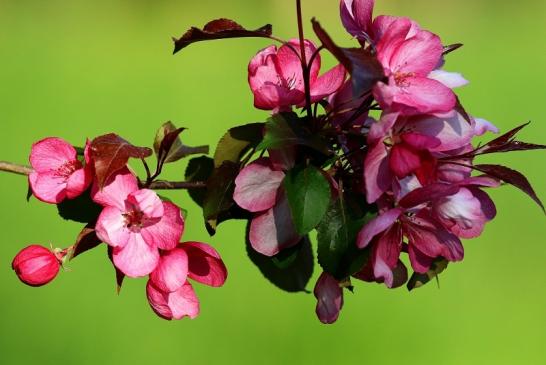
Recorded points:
(276, 77)
(136, 223)
(57, 172)
(36, 265)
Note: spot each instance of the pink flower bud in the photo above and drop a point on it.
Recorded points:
(36, 265)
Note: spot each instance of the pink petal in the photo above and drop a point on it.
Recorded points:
(256, 186)
(78, 182)
(452, 131)
(289, 64)
(377, 225)
(419, 54)
(273, 230)
(147, 202)
(328, 83)
(418, 96)
(111, 227)
(177, 305)
(382, 128)
(392, 38)
(165, 233)
(171, 272)
(136, 258)
(419, 261)
(275, 97)
(51, 153)
(116, 190)
(329, 298)
(465, 213)
(386, 254)
(383, 23)
(377, 175)
(48, 187)
(263, 62)
(205, 264)
(404, 160)
(483, 126)
(449, 79)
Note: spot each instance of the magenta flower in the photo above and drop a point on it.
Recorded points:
(36, 265)
(329, 298)
(58, 174)
(136, 223)
(169, 293)
(258, 189)
(356, 16)
(276, 78)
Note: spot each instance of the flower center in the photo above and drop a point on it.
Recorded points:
(289, 83)
(134, 219)
(401, 78)
(68, 168)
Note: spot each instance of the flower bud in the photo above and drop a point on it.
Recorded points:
(36, 265)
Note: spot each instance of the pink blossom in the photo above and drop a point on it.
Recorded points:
(408, 57)
(356, 16)
(36, 265)
(276, 78)
(329, 298)
(258, 189)
(136, 223)
(57, 172)
(169, 293)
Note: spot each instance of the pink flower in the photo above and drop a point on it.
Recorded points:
(329, 298)
(36, 265)
(356, 16)
(276, 78)
(58, 174)
(408, 55)
(136, 223)
(169, 293)
(258, 189)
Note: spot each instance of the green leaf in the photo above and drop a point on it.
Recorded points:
(337, 232)
(82, 209)
(286, 129)
(219, 194)
(418, 280)
(169, 148)
(289, 271)
(308, 193)
(199, 169)
(237, 141)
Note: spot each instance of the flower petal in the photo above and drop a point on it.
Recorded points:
(205, 264)
(171, 272)
(328, 83)
(483, 126)
(111, 227)
(273, 230)
(177, 305)
(136, 258)
(329, 298)
(377, 175)
(449, 79)
(78, 182)
(256, 186)
(377, 225)
(165, 233)
(147, 202)
(116, 190)
(51, 153)
(48, 186)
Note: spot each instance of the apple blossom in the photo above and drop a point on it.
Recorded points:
(36, 265)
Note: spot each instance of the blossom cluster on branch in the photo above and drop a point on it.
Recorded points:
(377, 155)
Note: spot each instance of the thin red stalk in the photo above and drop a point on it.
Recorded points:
(305, 67)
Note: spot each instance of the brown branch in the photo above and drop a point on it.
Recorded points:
(157, 185)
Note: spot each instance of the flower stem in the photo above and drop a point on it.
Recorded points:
(305, 67)
(156, 185)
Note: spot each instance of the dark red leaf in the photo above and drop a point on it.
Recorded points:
(219, 29)
(506, 143)
(511, 177)
(364, 68)
(87, 240)
(110, 153)
(427, 194)
(119, 275)
(452, 47)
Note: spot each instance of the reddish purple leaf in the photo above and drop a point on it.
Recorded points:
(87, 240)
(427, 194)
(119, 275)
(452, 47)
(506, 143)
(219, 29)
(364, 68)
(511, 177)
(110, 153)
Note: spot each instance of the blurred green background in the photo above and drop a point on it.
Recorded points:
(78, 69)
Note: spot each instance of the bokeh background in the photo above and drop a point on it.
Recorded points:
(79, 68)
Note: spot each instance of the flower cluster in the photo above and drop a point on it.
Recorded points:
(142, 232)
(377, 156)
